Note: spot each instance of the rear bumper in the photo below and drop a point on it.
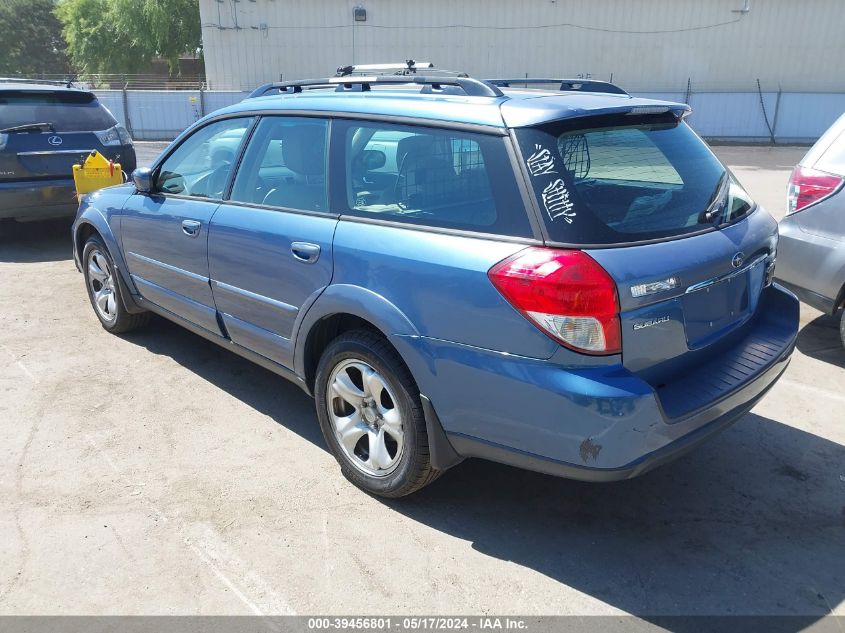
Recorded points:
(726, 412)
(38, 199)
(593, 424)
(811, 266)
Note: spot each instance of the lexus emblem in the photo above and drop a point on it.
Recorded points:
(55, 140)
(738, 260)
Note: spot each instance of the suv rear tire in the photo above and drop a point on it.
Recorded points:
(371, 416)
(104, 291)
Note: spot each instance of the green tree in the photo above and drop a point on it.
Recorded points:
(174, 28)
(122, 36)
(95, 44)
(30, 38)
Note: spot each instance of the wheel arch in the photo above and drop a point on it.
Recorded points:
(338, 309)
(91, 222)
(342, 309)
(322, 333)
(83, 233)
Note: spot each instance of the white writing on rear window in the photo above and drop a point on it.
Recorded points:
(541, 161)
(556, 201)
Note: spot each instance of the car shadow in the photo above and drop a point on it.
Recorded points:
(31, 242)
(820, 339)
(257, 387)
(751, 522)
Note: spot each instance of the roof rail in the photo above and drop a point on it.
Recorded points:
(408, 67)
(67, 83)
(471, 87)
(578, 85)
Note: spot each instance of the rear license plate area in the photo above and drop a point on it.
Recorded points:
(712, 310)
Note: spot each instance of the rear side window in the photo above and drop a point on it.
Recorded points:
(68, 111)
(431, 176)
(620, 178)
(285, 165)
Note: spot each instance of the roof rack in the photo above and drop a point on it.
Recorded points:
(578, 85)
(471, 87)
(408, 67)
(67, 83)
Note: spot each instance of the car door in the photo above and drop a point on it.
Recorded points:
(270, 244)
(164, 232)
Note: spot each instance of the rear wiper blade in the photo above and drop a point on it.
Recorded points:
(29, 127)
(716, 200)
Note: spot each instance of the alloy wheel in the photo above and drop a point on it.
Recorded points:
(366, 418)
(101, 283)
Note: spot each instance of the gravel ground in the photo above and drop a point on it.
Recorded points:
(155, 473)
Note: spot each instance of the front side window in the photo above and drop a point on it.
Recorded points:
(435, 177)
(616, 179)
(285, 165)
(202, 164)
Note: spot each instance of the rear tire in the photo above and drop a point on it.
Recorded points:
(371, 416)
(104, 291)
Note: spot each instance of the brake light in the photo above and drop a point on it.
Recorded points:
(116, 135)
(566, 294)
(808, 186)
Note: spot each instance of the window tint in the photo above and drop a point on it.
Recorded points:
(432, 177)
(621, 178)
(201, 165)
(285, 165)
(68, 111)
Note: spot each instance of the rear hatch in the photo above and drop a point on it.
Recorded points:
(64, 129)
(647, 199)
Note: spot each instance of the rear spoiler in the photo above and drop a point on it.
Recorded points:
(566, 85)
(67, 83)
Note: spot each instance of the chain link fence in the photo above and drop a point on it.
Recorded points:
(154, 107)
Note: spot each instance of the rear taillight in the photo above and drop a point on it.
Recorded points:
(808, 186)
(566, 294)
(116, 135)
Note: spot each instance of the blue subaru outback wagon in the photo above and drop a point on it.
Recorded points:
(568, 281)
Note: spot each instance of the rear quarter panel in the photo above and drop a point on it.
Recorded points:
(439, 282)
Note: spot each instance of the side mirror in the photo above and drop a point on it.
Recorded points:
(143, 179)
(373, 159)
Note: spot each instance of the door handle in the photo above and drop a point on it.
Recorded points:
(191, 228)
(305, 251)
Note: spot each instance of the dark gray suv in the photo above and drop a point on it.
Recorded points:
(44, 129)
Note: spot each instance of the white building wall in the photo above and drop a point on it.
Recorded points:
(645, 44)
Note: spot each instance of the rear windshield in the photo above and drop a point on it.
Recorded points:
(69, 111)
(620, 178)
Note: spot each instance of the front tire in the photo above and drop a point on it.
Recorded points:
(104, 290)
(371, 416)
